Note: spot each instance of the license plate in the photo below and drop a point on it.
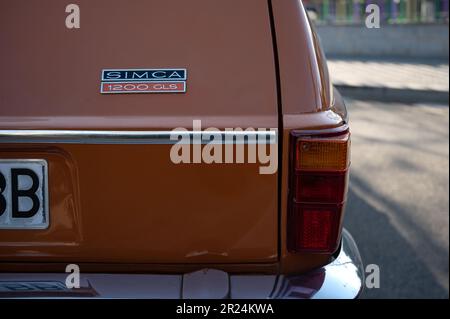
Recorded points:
(23, 194)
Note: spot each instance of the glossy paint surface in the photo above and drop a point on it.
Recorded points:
(128, 205)
(307, 104)
(51, 75)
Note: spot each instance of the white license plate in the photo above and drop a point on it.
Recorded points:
(23, 194)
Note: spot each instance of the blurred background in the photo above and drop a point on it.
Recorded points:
(392, 11)
(395, 81)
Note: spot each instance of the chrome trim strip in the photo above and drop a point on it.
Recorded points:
(136, 137)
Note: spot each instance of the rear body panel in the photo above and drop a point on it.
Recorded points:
(130, 203)
(152, 215)
(150, 210)
(308, 104)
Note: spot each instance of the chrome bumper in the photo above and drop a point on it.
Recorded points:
(342, 278)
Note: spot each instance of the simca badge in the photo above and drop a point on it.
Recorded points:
(143, 81)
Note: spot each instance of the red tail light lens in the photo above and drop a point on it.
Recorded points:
(319, 187)
(316, 226)
(318, 190)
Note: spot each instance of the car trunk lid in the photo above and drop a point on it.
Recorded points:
(126, 202)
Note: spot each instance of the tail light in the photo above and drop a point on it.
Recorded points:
(318, 190)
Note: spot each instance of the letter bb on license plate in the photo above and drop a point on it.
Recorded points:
(23, 194)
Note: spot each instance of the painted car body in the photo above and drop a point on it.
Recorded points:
(117, 203)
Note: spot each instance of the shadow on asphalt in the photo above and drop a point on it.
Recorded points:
(403, 273)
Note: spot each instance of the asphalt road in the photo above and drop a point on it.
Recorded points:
(398, 209)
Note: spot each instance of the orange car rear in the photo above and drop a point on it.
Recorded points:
(237, 91)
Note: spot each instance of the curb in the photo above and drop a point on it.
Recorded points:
(386, 94)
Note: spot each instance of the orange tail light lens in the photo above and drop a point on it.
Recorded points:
(323, 154)
(318, 190)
